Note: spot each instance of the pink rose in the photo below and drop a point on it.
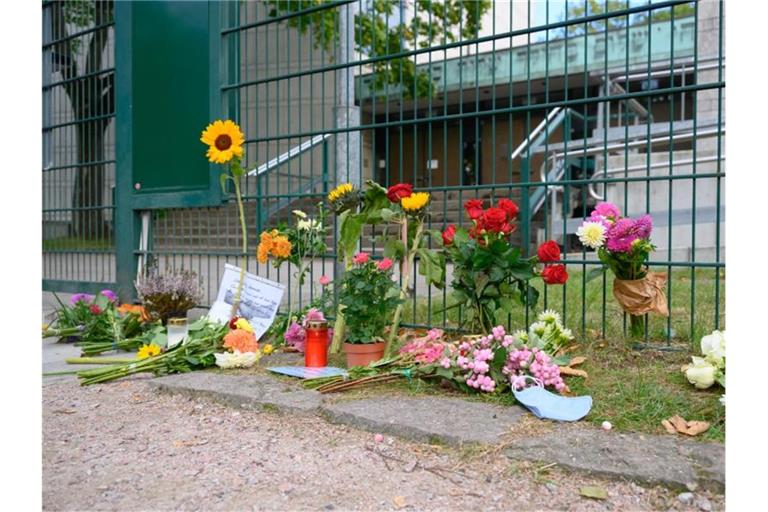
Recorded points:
(385, 264)
(361, 258)
(325, 280)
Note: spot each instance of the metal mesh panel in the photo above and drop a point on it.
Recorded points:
(555, 104)
(78, 145)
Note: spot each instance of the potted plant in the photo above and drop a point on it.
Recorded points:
(369, 296)
(169, 295)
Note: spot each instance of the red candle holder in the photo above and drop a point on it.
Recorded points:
(316, 345)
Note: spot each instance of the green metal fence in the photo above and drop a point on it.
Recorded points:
(555, 104)
(78, 145)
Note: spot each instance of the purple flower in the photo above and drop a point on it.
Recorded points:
(110, 295)
(81, 297)
(606, 214)
(295, 336)
(624, 232)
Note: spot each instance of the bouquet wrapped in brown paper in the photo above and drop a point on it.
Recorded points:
(623, 245)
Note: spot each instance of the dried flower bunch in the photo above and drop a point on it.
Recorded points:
(169, 294)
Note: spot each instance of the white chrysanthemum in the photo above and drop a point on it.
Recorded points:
(520, 336)
(549, 315)
(237, 359)
(539, 328)
(303, 225)
(592, 234)
(300, 214)
(566, 334)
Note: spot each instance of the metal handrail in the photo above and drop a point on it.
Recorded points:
(289, 155)
(523, 145)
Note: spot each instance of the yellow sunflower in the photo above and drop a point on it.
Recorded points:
(340, 191)
(148, 351)
(415, 202)
(225, 141)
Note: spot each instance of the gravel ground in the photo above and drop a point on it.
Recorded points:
(123, 446)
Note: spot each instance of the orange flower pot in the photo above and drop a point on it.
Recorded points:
(363, 354)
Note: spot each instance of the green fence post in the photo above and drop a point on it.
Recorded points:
(525, 206)
(126, 218)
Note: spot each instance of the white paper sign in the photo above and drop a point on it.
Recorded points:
(259, 299)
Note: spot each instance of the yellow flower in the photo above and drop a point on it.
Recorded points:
(225, 141)
(267, 349)
(243, 324)
(148, 351)
(282, 247)
(415, 201)
(340, 191)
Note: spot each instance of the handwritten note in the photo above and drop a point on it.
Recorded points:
(259, 299)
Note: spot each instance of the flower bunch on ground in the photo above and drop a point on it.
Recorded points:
(547, 333)
(96, 324)
(169, 294)
(490, 276)
(243, 348)
(704, 371)
(426, 349)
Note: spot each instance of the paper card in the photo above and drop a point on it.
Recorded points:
(259, 299)
(305, 372)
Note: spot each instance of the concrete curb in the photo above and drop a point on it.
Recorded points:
(642, 458)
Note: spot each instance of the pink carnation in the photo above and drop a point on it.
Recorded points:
(361, 258)
(385, 264)
(324, 280)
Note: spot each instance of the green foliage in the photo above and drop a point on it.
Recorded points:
(370, 296)
(436, 22)
(490, 280)
(593, 7)
(628, 265)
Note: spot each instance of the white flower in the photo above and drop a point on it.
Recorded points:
(237, 359)
(300, 214)
(549, 315)
(309, 225)
(592, 234)
(566, 334)
(713, 346)
(520, 336)
(701, 374)
(722, 399)
(539, 328)
(303, 225)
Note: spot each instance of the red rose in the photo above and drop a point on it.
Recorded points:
(549, 251)
(95, 309)
(507, 228)
(494, 220)
(233, 321)
(554, 274)
(448, 235)
(474, 208)
(396, 192)
(509, 206)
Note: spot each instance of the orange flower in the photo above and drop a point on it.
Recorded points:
(241, 340)
(262, 253)
(131, 308)
(272, 243)
(282, 247)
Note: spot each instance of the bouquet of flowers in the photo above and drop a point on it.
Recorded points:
(168, 295)
(243, 349)
(96, 324)
(623, 245)
(705, 371)
(490, 276)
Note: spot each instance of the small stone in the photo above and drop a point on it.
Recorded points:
(686, 498)
(691, 486)
(551, 487)
(607, 426)
(329, 507)
(704, 504)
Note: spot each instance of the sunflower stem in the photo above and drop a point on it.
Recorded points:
(244, 256)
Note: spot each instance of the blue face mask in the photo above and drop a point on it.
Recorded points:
(545, 404)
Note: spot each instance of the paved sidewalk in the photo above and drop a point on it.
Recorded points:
(644, 458)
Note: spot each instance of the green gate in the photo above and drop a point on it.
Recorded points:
(557, 105)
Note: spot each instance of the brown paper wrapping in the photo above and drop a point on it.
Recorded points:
(639, 296)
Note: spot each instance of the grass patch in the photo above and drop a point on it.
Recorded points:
(71, 243)
(588, 308)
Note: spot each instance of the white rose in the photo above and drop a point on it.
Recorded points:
(713, 346)
(701, 374)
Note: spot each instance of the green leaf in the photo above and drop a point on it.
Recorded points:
(388, 215)
(223, 182)
(497, 274)
(480, 284)
(507, 304)
(351, 229)
(461, 237)
(394, 249)
(432, 266)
